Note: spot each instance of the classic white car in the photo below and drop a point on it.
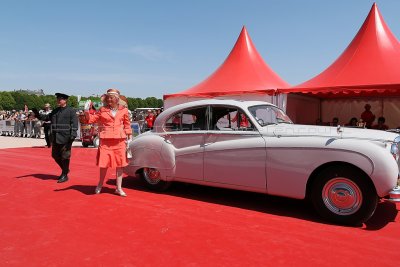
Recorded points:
(254, 146)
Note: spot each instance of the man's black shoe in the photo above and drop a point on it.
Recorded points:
(63, 178)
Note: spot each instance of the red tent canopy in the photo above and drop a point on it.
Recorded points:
(370, 65)
(243, 71)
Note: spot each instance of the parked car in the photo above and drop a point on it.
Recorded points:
(88, 132)
(254, 146)
(89, 135)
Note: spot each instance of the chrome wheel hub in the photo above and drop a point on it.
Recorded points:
(342, 196)
(151, 175)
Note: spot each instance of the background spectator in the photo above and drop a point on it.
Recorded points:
(367, 116)
(381, 124)
(335, 121)
(353, 122)
(150, 118)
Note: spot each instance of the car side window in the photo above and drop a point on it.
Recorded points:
(173, 123)
(187, 120)
(267, 114)
(230, 119)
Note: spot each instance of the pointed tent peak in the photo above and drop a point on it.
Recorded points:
(374, 11)
(374, 35)
(245, 45)
(370, 60)
(243, 71)
(382, 29)
(244, 33)
(375, 15)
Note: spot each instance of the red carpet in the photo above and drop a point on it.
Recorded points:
(48, 224)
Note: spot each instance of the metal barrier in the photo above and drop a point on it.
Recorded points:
(7, 127)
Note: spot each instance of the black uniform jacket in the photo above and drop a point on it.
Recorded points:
(64, 125)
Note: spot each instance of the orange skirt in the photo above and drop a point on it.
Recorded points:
(112, 153)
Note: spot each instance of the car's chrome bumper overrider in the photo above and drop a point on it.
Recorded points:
(394, 195)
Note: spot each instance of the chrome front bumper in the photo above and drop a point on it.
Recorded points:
(394, 195)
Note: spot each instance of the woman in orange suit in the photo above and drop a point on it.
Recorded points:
(114, 128)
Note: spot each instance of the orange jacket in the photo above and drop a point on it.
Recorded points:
(110, 127)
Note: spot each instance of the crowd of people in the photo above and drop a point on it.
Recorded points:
(146, 118)
(30, 123)
(366, 120)
(26, 123)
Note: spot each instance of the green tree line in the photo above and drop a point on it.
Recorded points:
(17, 101)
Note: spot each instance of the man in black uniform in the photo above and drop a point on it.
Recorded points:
(64, 126)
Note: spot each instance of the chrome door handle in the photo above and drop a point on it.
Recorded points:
(166, 139)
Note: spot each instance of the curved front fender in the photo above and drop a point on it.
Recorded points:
(152, 151)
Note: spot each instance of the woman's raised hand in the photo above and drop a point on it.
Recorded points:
(87, 105)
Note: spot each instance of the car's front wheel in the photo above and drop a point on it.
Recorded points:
(152, 179)
(344, 195)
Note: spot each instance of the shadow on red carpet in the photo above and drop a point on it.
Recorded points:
(386, 212)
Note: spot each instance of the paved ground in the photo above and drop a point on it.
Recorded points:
(15, 142)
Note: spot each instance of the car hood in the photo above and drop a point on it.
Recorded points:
(283, 130)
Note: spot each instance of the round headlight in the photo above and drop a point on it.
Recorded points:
(394, 149)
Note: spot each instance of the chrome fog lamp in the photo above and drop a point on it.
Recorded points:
(394, 149)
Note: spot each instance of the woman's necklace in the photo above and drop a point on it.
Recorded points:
(114, 109)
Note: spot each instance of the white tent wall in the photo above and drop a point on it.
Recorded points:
(303, 109)
(279, 100)
(391, 112)
(173, 101)
(345, 109)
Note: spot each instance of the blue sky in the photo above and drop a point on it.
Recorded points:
(151, 48)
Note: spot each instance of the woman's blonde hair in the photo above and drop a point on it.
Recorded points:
(123, 101)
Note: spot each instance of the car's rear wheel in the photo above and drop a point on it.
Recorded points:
(344, 195)
(152, 179)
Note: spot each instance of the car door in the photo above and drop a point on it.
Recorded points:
(235, 151)
(185, 131)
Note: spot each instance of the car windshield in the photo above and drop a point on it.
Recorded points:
(267, 115)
